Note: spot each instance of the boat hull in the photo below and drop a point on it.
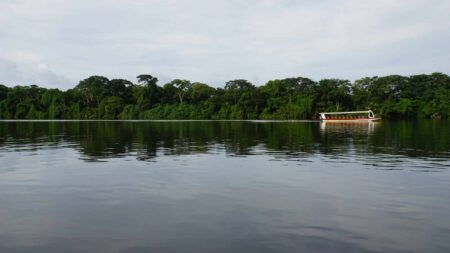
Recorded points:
(351, 120)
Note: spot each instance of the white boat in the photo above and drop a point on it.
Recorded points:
(355, 116)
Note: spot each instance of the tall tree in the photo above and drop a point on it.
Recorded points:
(3, 92)
(146, 79)
(121, 88)
(150, 93)
(93, 89)
(182, 87)
(200, 92)
(334, 94)
(235, 88)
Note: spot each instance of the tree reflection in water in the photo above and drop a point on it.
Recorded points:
(147, 139)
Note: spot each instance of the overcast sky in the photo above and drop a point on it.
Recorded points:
(56, 43)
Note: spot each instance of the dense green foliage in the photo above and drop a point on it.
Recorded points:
(97, 97)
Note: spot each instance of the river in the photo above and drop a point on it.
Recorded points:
(224, 186)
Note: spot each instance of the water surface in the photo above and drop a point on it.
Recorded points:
(225, 186)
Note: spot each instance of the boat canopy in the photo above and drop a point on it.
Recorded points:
(369, 113)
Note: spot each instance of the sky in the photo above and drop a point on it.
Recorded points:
(55, 43)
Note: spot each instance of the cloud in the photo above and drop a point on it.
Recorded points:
(11, 74)
(214, 41)
(9, 71)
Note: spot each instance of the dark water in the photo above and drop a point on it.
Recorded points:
(224, 187)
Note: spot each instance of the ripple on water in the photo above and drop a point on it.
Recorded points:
(229, 186)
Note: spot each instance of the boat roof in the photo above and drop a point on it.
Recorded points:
(353, 112)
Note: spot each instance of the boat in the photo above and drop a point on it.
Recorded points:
(354, 116)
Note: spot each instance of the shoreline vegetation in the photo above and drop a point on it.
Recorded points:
(97, 97)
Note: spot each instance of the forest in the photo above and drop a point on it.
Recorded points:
(97, 97)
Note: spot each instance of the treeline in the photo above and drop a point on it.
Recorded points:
(97, 97)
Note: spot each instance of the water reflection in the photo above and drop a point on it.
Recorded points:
(366, 128)
(380, 144)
